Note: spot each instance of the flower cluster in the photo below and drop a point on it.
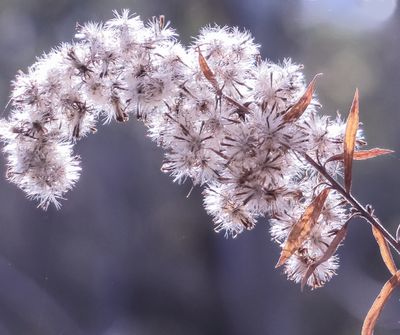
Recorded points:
(218, 110)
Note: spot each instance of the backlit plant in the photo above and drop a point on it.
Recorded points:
(246, 130)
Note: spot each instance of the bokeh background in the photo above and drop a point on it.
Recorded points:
(130, 254)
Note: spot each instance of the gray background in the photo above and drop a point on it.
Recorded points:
(128, 253)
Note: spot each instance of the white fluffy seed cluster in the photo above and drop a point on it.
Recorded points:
(216, 108)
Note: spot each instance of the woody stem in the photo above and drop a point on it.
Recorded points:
(362, 211)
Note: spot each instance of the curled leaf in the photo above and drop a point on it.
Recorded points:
(385, 251)
(379, 303)
(362, 154)
(210, 76)
(301, 229)
(350, 140)
(300, 106)
(339, 237)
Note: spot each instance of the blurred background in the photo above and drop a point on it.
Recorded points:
(129, 254)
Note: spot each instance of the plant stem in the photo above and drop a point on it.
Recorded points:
(362, 211)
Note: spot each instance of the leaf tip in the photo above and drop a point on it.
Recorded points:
(356, 97)
(303, 284)
(281, 261)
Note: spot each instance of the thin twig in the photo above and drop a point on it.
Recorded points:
(363, 212)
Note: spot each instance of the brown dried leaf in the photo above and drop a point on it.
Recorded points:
(362, 154)
(339, 237)
(385, 251)
(302, 228)
(371, 153)
(350, 140)
(210, 76)
(300, 106)
(241, 109)
(379, 303)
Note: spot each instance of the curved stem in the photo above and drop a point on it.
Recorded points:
(355, 203)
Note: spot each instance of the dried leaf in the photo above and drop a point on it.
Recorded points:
(371, 153)
(300, 106)
(210, 76)
(350, 141)
(385, 251)
(241, 109)
(339, 237)
(362, 154)
(379, 303)
(301, 229)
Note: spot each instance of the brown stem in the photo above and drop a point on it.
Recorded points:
(355, 203)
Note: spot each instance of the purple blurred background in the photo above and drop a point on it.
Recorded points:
(128, 253)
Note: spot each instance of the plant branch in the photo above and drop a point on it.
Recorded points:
(363, 211)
